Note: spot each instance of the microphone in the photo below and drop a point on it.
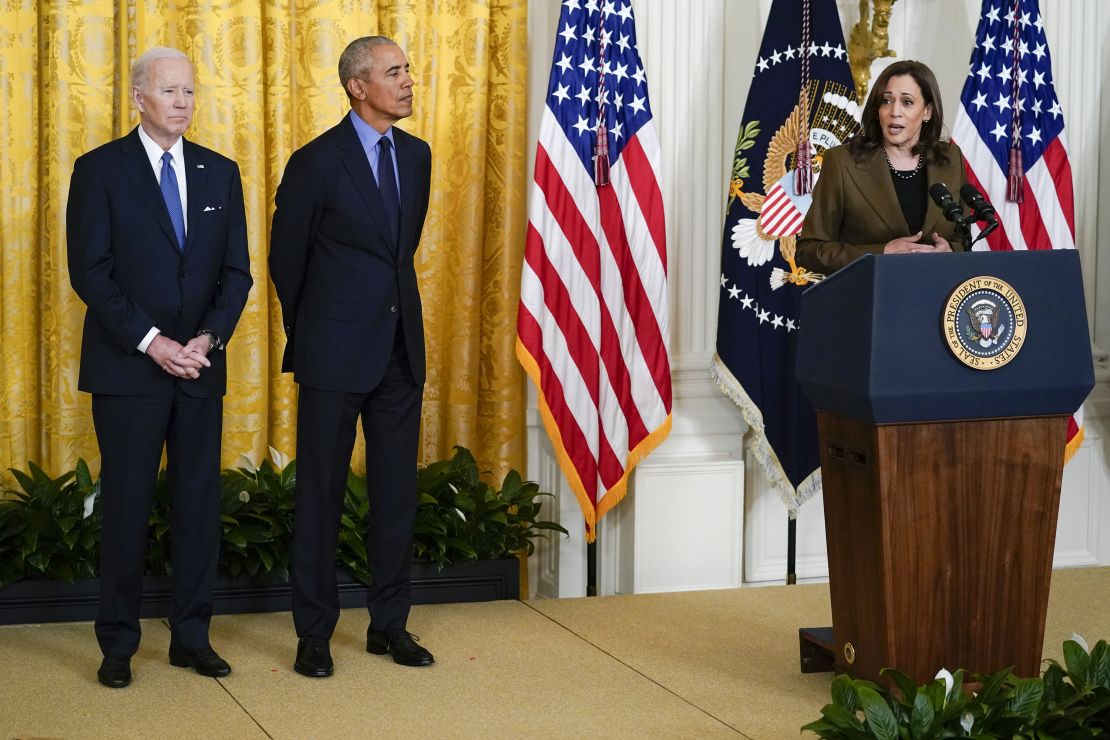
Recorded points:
(938, 191)
(983, 210)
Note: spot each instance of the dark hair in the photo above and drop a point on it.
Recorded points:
(871, 135)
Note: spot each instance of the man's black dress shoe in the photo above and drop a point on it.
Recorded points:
(313, 658)
(400, 644)
(204, 661)
(115, 671)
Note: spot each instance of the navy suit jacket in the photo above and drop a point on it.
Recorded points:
(125, 265)
(343, 282)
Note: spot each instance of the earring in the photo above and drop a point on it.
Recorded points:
(926, 120)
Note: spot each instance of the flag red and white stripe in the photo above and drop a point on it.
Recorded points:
(1011, 72)
(592, 328)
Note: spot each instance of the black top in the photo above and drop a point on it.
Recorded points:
(909, 186)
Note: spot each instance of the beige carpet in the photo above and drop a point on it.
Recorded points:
(705, 664)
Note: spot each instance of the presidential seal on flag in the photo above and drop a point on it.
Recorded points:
(780, 211)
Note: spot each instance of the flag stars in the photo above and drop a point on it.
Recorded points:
(1038, 79)
(1034, 136)
(777, 323)
(789, 52)
(747, 302)
(583, 95)
(1039, 24)
(840, 51)
(617, 131)
(1003, 103)
(734, 292)
(762, 64)
(776, 56)
(764, 316)
(992, 15)
(1036, 106)
(825, 49)
(984, 72)
(583, 126)
(1008, 45)
(790, 325)
(724, 281)
(1025, 20)
(638, 75)
(562, 93)
(637, 104)
(1055, 109)
(999, 132)
(568, 34)
(988, 44)
(980, 101)
(621, 72)
(588, 35)
(622, 42)
(591, 6)
(1039, 52)
(625, 12)
(565, 64)
(1023, 47)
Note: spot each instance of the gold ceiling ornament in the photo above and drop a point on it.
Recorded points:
(870, 40)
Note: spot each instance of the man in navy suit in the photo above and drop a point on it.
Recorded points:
(350, 209)
(157, 241)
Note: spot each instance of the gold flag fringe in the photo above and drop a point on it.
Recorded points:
(761, 448)
(615, 494)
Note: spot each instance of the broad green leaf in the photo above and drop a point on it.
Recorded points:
(921, 718)
(878, 715)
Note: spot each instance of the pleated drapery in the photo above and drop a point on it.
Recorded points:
(266, 84)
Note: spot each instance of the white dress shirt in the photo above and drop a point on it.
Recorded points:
(154, 153)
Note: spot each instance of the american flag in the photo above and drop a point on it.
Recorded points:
(592, 325)
(1011, 130)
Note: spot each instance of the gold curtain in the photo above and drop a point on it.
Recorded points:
(266, 84)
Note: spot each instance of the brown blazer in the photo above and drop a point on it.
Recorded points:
(855, 210)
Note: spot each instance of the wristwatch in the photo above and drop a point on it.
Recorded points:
(213, 339)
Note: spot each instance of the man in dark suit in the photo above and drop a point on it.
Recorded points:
(350, 209)
(157, 241)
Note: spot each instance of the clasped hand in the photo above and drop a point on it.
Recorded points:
(177, 360)
(911, 245)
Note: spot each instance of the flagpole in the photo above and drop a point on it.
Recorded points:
(591, 568)
(791, 550)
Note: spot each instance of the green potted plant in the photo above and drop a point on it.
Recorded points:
(1069, 701)
(467, 532)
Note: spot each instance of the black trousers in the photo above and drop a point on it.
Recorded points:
(131, 432)
(325, 439)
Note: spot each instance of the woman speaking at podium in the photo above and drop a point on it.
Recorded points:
(873, 193)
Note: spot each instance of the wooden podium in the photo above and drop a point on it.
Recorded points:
(941, 475)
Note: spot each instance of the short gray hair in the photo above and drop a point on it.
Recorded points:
(356, 60)
(140, 70)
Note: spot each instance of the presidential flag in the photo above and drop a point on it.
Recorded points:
(1011, 130)
(801, 102)
(592, 324)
